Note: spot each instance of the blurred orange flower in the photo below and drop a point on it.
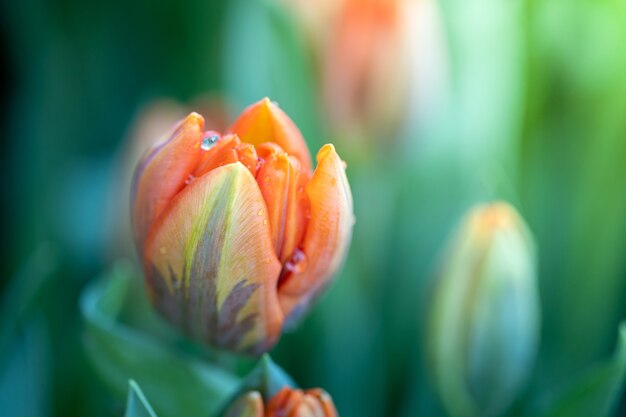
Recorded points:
(238, 235)
(380, 60)
(287, 402)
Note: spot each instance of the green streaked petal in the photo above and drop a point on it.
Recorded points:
(211, 266)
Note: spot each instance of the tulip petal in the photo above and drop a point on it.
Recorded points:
(227, 150)
(327, 237)
(284, 403)
(309, 407)
(162, 173)
(210, 264)
(282, 181)
(249, 405)
(290, 402)
(264, 122)
(325, 401)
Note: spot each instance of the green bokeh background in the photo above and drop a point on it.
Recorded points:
(535, 114)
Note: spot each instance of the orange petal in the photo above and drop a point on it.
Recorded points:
(248, 157)
(162, 173)
(327, 237)
(284, 403)
(309, 407)
(325, 401)
(210, 265)
(282, 183)
(264, 122)
(227, 150)
(221, 153)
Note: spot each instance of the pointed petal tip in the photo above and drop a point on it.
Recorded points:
(325, 151)
(264, 107)
(194, 118)
(264, 121)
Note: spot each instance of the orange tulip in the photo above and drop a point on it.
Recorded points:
(383, 63)
(366, 67)
(287, 402)
(238, 235)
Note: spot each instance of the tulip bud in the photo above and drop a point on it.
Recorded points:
(237, 235)
(287, 402)
(379, 58)
(484, 315)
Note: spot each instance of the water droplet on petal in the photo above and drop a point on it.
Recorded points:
(209, 142)
(189, 179)
(260, 212)
(297, 263)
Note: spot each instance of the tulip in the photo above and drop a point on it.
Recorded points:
(238, 235)
(287, 402)
(484, 318)
(381, 59)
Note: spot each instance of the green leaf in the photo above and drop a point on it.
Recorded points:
(25, 368)
(572, 170)
(25, 373)
(177, 382)
(137, 405)
(267, 378)
(24, 289)
(597, 391)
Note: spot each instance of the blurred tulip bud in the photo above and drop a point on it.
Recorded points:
(237, 234)
(380, 59)
(287, 402)
(484, 320)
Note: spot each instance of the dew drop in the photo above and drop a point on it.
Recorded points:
(297, 263)
(264, 221)
(209, 142)
(260, 212)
